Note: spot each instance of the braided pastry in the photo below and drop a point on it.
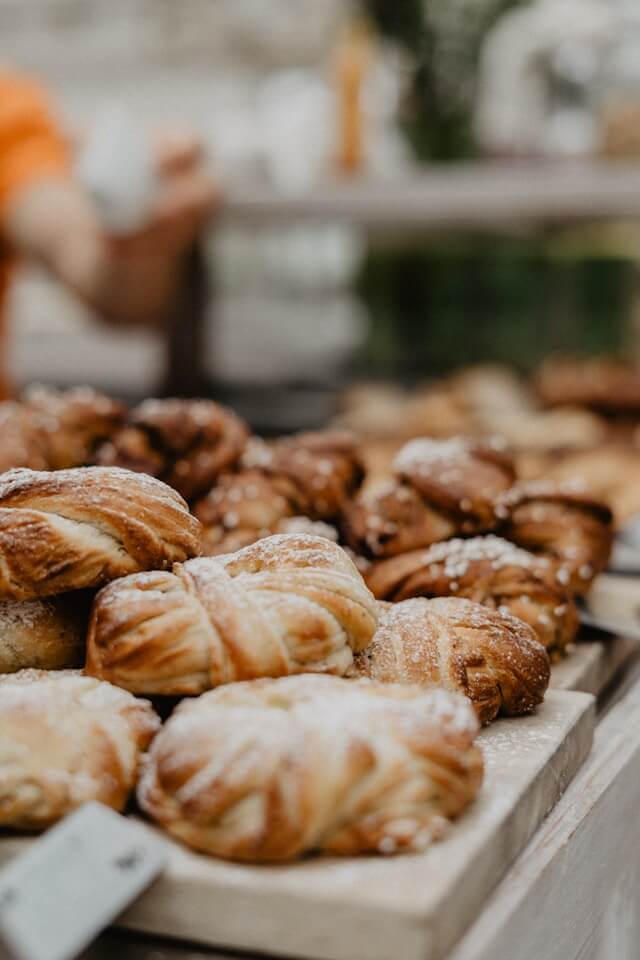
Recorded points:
(73, 423)
(22, 443)
(272, 769)
(79, 528)
(492, 658)
(185, 443)
(442, 488)
(310, 475)
(490, 571)
(564, 523)
(45, 634)
(286, 604)
(66, 739)
(55, 429)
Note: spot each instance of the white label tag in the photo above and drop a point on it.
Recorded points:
(67, 887)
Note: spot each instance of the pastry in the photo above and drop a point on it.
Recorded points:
(491, 571)
(46, 634)
(185, 443)
(610, 473)
(72, 529)
(564, 523)
(272, 769)
(442, 488)
(492, 658)
(66, 739)
(311, 475)
(603, 383)
(72, 423)
(22, 443)
(286, 604)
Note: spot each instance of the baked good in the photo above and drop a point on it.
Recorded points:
(286, 604)
(66, 739)
(273, 769)
(610, 473)
(185, 443)
(492, 658)
(564, 523)
(71, 529)
(21, 441)
(72, 423)
(311, 475)
(46, 634)
(490, 571)
(603, 383)
(442, 488)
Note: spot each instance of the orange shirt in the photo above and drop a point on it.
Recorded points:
(32, 148)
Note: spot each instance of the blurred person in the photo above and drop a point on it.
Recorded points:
(48, 217)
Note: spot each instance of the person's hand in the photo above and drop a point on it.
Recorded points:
(187, 197)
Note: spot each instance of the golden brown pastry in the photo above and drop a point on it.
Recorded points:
(66, 739)
(603, 383)
(273, 769)
(311, 475)
(492, 658)
(185, 443)
(72, 529)
(564, 523)
(610, 473)
(443, 488)
(286, 604)
(490, 571)
(44, 634)
(73, 423)
(22, 443)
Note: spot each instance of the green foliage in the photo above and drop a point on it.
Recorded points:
(471, 302)
(444, 39)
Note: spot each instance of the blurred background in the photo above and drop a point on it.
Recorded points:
(409, 188)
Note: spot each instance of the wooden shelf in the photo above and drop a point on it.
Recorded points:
(485, 196)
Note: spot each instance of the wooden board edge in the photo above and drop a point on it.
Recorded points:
(574, 860)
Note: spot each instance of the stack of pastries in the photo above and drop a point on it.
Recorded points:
(337, 642)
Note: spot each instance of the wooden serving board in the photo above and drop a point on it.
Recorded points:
(414, 907)
(592, 664)
(374, 908)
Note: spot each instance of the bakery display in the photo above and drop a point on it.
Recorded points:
(66, 739)
(272, 769)
(491, 571)
(45, 634)
(71, 529)
(565, 523)
(185, 443)
(286, 604)
(310, 475)
(489, 656)
(441, 489)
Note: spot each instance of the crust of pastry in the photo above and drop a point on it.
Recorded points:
(286, 604)
(66, 739)
(311, 475)
(562, 522)
(43, 634)
(442, 488)
(492, 658)
(72, 529)
(185, 443)
(272, 769)
(490, 571)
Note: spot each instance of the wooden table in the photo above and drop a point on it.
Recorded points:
(573, 894)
